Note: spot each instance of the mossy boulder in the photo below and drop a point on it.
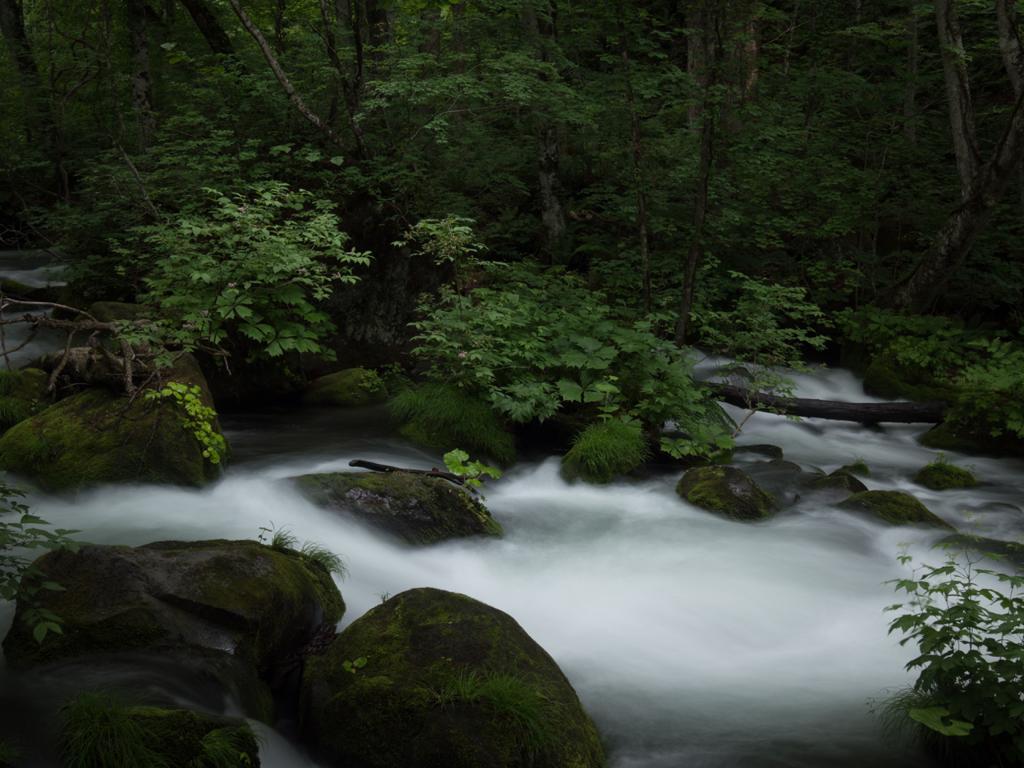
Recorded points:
(178, 737)
(22, 395)
(726, 491)
(839, 482)
(604, 451)
(894, 507)
(951, 436)
(97, 436)
(888, 377)
(430, 692)
(415, 508)
(354, 386)
(445, 417)
(942, 476)
(859, 468)
(235, 601)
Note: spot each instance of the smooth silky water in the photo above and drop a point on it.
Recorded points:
(691, 640)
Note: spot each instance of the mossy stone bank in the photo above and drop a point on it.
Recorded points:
(894, 507)
(415, 508)
(236, 604)
(354, 386)
(726, 491)
(428, 695)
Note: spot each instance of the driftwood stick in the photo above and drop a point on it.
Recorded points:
(388, 469)
(866, 413)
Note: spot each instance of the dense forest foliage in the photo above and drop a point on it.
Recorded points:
(750, 176)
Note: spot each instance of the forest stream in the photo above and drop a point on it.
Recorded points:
(692, 640)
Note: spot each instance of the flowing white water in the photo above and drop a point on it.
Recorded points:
(691, 640)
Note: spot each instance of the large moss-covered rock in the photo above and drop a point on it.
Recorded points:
(943, 475)
(950, 436)
(354, 386)
(97, 436)
(236, 599)
(101, 731)
(415, 508)
(22, 395)
(894, 507)
(888, 377)
(429, 693)
(726, 491)
(604, 451)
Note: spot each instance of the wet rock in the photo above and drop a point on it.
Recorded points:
(858, 468)
(726, 491)
(838, 482)
(415, 508)
(763, 449)
(976, 439)
(238, 605)
(940, 477)
(97, 436)
(889, 378)
(447, 681)
(894, 507)
(354, 386)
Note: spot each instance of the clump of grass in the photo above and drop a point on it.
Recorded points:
(522, 706)
(324, 558)
(443, 416)
(225, 748)
(283, 539)
(10, 753)
(100, 732)
(604, 451)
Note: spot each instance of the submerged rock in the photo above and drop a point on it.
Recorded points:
(98, 436)
(447, 681)
(838, 482)
(237, 604)
(978, 439)
(355, 386)
(415, 508)
(726, 491)
(894, 507)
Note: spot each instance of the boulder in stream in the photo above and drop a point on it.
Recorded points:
(972, 438)
(839, 482)
(353, 386)
(97, 436)
(442, 680)
(415, 508)
(726, 491)
(238, 605)
(894, 507)
(941, 475)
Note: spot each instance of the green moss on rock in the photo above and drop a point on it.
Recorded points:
(445, 417)
(22, 395)
(238, 599)
(405, 707)
(940, 477)
(894, 507)
(415, 508)
(354, 386)
(603, 452)
(726, 491)
(859, 468)
(762, 449)
(888, 377)
(950, 436)
(837, 482)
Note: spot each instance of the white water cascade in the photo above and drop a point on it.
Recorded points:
(692, 640)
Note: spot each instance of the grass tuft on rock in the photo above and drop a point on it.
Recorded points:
(446, 417)
(604, 451)
(941, 474)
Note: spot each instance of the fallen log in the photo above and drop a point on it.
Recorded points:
(866, 413)
(387, 468)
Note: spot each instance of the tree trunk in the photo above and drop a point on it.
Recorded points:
(210, 28)
(910, 89)
(12, 26)
(983, 184)
(142, 90)
(866, 413)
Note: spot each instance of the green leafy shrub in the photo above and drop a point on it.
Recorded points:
(199, 419)
(544, 342)
(967, 705)
(604, 451)
(444, 416)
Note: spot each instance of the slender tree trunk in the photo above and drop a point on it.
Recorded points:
(638, 180)
(12, 26)
(289, 89)
(984, 183)
(696, 63)
(910, 89)
(210, 28)
(695, 253)
(789, 39)
(142, 89)
(349, 87)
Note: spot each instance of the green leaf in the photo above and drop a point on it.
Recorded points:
(932, 718)
(455, 460)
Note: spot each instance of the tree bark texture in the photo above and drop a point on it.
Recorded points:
(12, 27)
(286, 84)
(142, 89)
(866, 413)
(210, 28)
(958, 92)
